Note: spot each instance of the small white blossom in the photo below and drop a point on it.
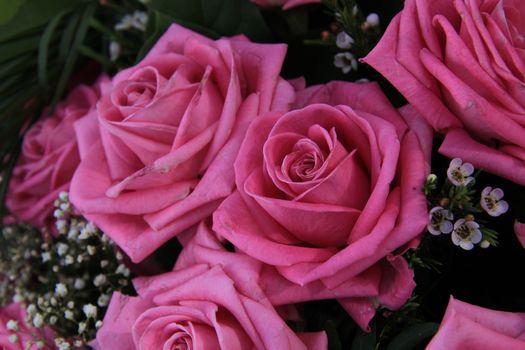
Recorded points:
(92, 250)
(89, 230)
(40, 344)
(69, 260)
(59, 214)
(70, 304)
(119, 255)
(90, 310)
(122, 270)
(62, 249)
(53, 301)
(68, 315)
(99, 280)
(82, 327)
(98, 324)
(53, 319)
(38, 321)
(459, 173)
(103, 300)
(64, 346)
(138, 21)
(17, 298)
(63, 196)
(466, 234)
(343, 40)
(46, 256)
(31, 309)
(492, 203)
(73, 233)
(104, 263)
(61, 290)
(372, 20)
(345, 61)
(79, 283)
(79, 343)
(114, 51)
(484, 244)
(13, 338)
(439, 221)
(12, 325)
(66, 207)
(61, 226)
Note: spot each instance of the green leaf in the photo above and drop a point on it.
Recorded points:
(186, 10)
(333, 337)
(9, 8)
(14, 48)
(43, 48)
(364, 340)
(413, 336)
(33, 14)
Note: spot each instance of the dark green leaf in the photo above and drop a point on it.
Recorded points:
(333, 337)
(9, 8)
(43, 48)
(33, 14)
(13, 48)
(364, 340)
(413, 336)
(186, 10)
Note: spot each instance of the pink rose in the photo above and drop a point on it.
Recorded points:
(286, 4)
(461, 64)
(325, 194)
(200, 307)
(470, 327)
(157, 157)
(519, 229)
(15, 334)
(48, 159)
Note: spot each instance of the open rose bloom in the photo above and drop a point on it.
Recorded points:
(157, 155)
(16, 335)
(210, 301)
(470, 327)
(48, 158)
(461, 64)
(327, 193)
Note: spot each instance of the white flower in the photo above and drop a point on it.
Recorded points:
(79, 283)
(40, 344)
(439, 221)
(64, 346)
(69, 260)
(92, 250)
(343, 40)
(484, 244)
(68, 315)
(61, 226)
(466, 234)
(459, 173)
(372, 20)
(62, 249)
(99, 280)
(98, 324)
(38, 321)
(59, 214)
(31, 309)
(103, 300)
(138, 20)
(13, 338)
(53, 319)
(73, 233)
(122, 270)
(90, 310)
(12, 325)
(82, 327)
(114, 51)
(492, 203)
(346, 61)
(70, 304)
(61, 290)
(46, 256)
(63, 196)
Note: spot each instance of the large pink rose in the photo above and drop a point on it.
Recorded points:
(326, 194)
(461, 64)
(157, 157)
(470, 327)
(16, 335)
(200, 307)
(286, 4)
(48, 159)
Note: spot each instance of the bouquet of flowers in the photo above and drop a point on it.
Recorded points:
(264, 174)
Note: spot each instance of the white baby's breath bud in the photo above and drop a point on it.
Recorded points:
(12, 325)
(53, 301)
(103, 300)
(119, 256)
(69, 260)
(46, 256)
(61, 226)
(55, 268)
(123, 270)
(70, 304)
(62, 249)
(92, 250)
(31, 309)
(64, 346)
(82, 327)
(99, 280)
(79, 283)
(98, 324)
(40, 344)
(104, 263)
(65, 207)
(13, 338)
(53, 319)
(484, 244)
(73, 233)
(63, 196)
(80, 258)
(372, 20)
(61, 290)
(38, 321)
(114, 51)
(79, 343)
(90, 310)
(68, 315)
(59, 214)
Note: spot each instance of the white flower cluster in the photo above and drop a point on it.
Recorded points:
(465, 231)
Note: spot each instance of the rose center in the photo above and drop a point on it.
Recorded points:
(304, 161)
